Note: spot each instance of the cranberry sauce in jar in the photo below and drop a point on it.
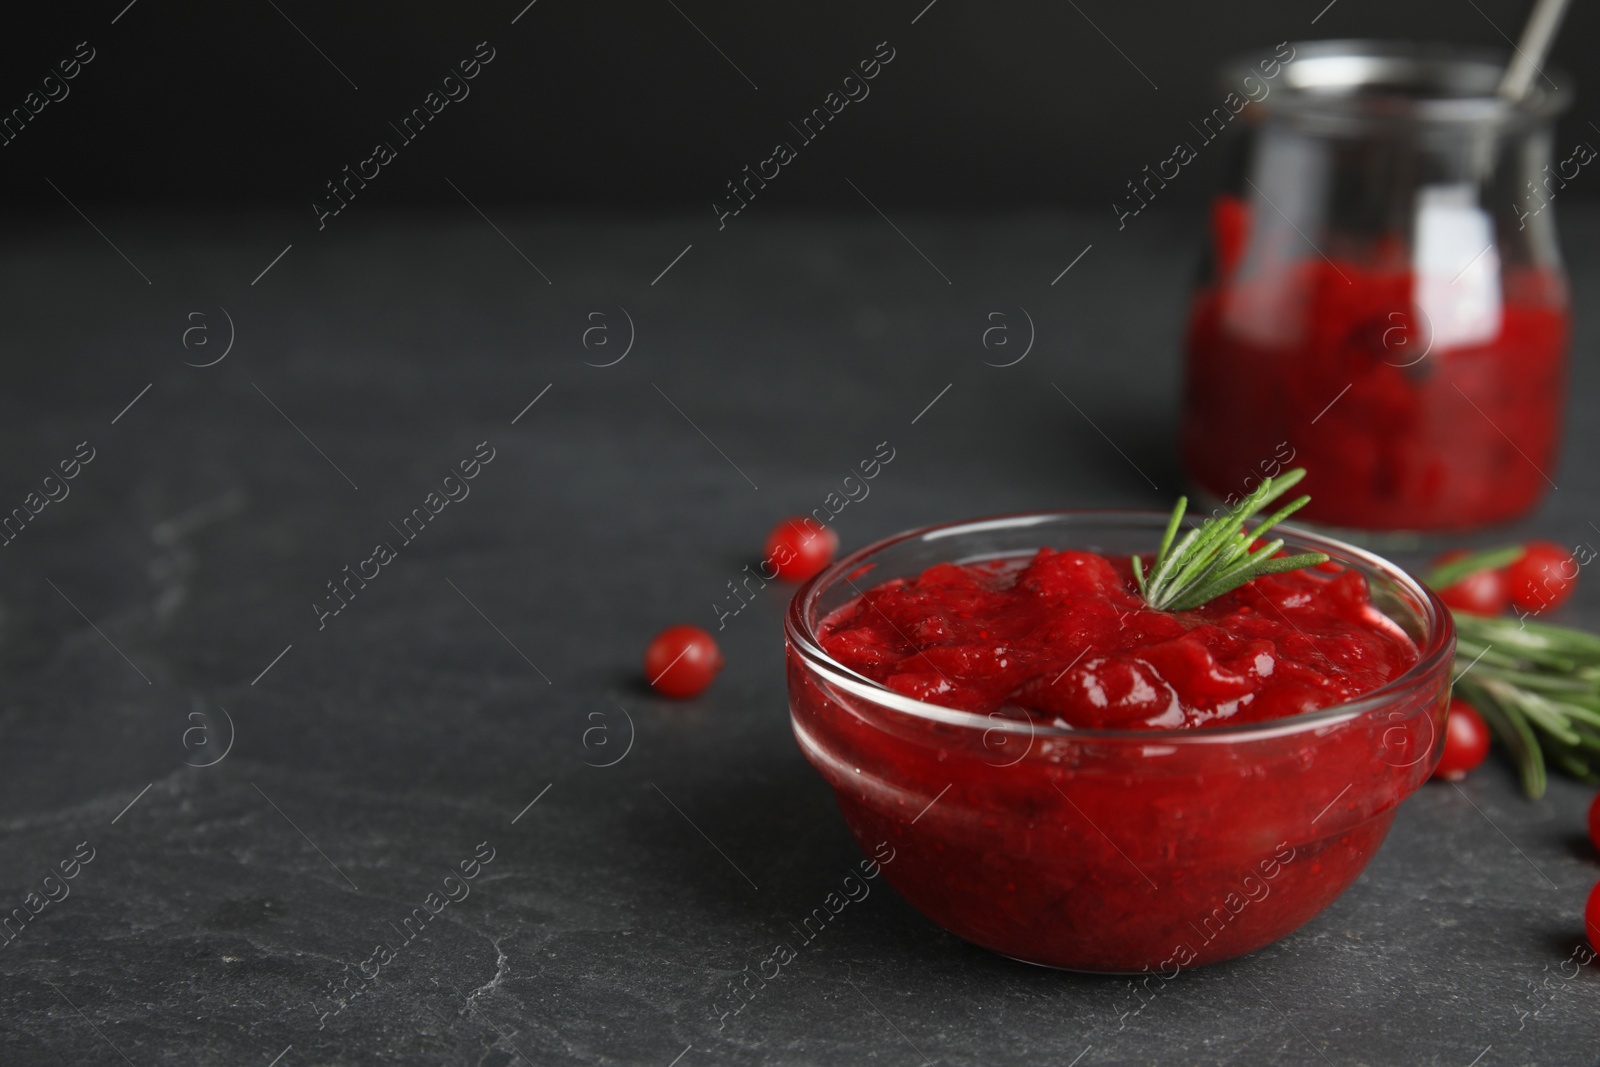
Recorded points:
(1385, 303)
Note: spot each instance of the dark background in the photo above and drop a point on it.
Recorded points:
(986, 106)
(227, 899)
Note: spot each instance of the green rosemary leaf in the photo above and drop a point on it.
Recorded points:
(1534, 680)
(1189, 562)
(1529, 638)
(1469, 652)
(1216, 556)
(1172, 526)
(1202, 545)
(1539, 711)
(1514, 733)
(1281, 514)
(1271, 566)
(1185, 585)
(1286, 481)
(1564, 686)
(1491, 559)
(1575, 766)
(1577, 714)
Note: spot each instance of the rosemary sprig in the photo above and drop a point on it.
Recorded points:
(1491, 559)
(1538, 687)
(1215, 557)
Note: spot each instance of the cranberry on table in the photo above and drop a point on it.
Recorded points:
(1483, 593)
(681, 661)
(799, 548)
(1466, 742)
(1543, 578)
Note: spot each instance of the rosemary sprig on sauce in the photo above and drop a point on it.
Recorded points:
(1216, 557)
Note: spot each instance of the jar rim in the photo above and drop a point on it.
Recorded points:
(1365, 83)
(1436, 650)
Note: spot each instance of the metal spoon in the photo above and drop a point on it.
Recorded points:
(1530, 52)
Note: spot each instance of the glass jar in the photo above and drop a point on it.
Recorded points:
(1384, 302)
(1112, 850)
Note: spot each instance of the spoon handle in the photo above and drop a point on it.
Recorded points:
(1530, 52)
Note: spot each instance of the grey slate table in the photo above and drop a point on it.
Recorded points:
(268, 797)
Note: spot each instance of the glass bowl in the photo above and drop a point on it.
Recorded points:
(1112, 850)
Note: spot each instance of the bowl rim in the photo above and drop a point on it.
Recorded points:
(1438, 648)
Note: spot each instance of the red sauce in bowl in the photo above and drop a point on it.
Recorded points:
(1066, 636)
(1069, 779)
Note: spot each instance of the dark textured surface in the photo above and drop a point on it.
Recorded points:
(209, 929)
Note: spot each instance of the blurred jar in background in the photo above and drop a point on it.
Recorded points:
(1384, 302)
